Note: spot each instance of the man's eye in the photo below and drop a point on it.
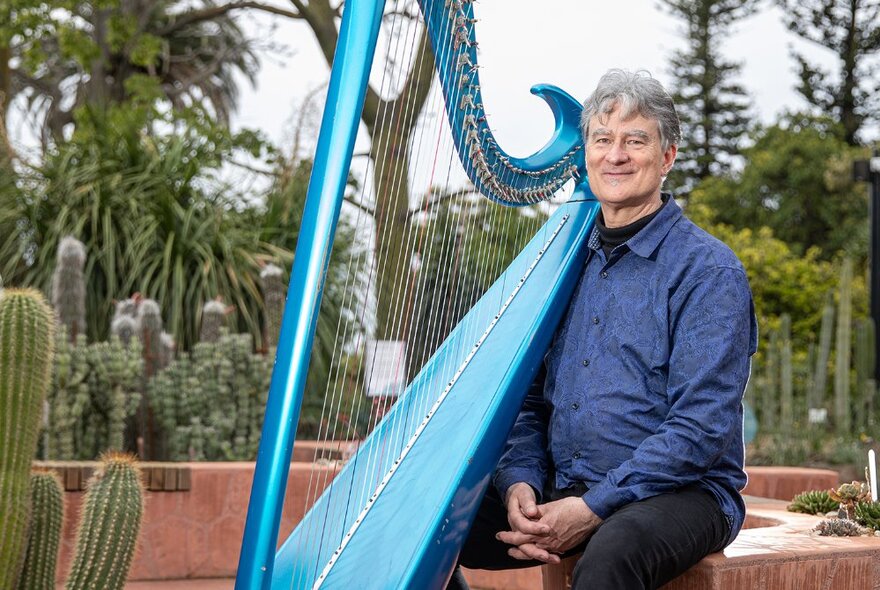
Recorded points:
(635, 142)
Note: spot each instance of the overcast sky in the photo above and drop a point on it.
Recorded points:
(564, 42)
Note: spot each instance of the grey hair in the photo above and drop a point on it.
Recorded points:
(636, 93)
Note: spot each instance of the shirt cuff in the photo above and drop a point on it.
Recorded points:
(505, 479)
(604, 499)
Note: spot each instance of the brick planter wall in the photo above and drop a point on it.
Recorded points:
(196, 532)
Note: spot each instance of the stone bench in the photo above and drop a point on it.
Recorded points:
(776, 552)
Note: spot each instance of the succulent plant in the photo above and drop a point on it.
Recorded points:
(27, 324)
(868, 514)
(816, 502)
(848, 494)
(111, 518)
(274, 293)
(69, 286)
(47, 513)
(839, 527)
(214, 315)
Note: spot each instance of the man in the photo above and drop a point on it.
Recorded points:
(629, 447)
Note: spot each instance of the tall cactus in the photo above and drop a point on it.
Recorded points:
(842, 407)
(47, 505)
(107, 535)
(150, 320)
(69, 286)
(866, 385)
(771, 373)
(823, 354)
(786, 393)
(274, 292)
(26, 346)
(213, 321)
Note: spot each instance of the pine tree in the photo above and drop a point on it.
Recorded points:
(851, 30)
(712, 106)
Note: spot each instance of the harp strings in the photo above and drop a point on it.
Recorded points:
(462, 225)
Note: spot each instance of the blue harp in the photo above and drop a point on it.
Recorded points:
(398, 512)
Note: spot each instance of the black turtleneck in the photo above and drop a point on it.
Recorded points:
(611, 237)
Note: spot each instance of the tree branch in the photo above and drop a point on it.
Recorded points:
(213, 12)
(366, 209)
(437, 198)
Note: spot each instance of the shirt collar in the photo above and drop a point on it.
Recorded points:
(646, 241)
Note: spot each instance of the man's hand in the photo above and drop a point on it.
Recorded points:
(561, 525)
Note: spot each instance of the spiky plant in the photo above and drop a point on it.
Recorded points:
(111, 518)
(816, 502)
(274, 292)
(839, 527)
(868, 514)
(47, 504)
(69, 286)
(848, 494)
(213, 320)
(150, 320)
(26, 345)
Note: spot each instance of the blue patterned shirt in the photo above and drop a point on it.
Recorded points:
(645, 378)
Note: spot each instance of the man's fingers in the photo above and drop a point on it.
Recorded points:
(520, 523)
(530, 551)
(516, 537)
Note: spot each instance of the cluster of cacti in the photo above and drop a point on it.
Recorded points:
(112, 510)
(868, 514)
(47, 514)
(817, 502)
(69, 286)
(839, 527)
(848, 495)
(26, 345)
(209, 403)
(95, 390)
(865, 363)
(274, 294)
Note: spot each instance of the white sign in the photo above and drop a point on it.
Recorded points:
(384, 368)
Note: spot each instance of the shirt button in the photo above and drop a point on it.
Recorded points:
(604, 275)
(596, 320)
(575, 406)
(586, 362)
(576, 455)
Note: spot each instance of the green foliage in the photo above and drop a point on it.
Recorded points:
(817, 502)
(868, 514)
(797, 180)
(95, 389)
(108, 529)
(843, 348)
(47, 513)
(209, 404)
(712, 106)
(152, 216)
(850, 31)
(26, 346)
(107, 52)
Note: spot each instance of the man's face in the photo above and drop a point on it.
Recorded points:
(625, 161)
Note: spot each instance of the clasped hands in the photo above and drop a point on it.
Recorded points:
(543, 531)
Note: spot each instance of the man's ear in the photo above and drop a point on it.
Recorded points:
(669, 158)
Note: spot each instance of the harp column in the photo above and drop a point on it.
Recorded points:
(345, 98)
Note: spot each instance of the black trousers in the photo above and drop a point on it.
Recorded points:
(641, 546)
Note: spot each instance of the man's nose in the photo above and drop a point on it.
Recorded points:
(617, 154)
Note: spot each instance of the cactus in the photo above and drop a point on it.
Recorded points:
(768, 395)
(95, 389)
(864, 365)
(274, 292)
(47, 508)
(868, 514)
(125, 327)
(26, 345)
(839, 527)
(213, 320)
(209, 403)
(820, 376)
(111, 517)
(849, 494)
(813, 503)
(786, 412)
(842, 407)
(150, 320)
(69, 286)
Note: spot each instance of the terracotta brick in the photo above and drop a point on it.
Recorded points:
(854, 573)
